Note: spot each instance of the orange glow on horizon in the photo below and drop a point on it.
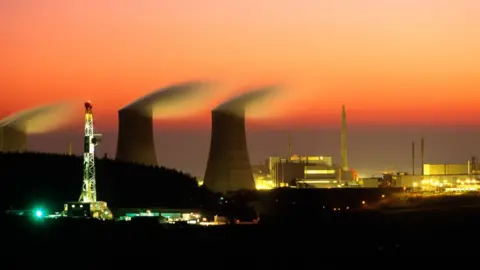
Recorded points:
(390, 62)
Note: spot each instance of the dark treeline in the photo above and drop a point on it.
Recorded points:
(348, 235)
(49, 180)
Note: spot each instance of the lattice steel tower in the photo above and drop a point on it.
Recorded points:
(89, 189)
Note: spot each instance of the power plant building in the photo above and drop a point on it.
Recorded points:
(135, 121)
(447, 169)
(444, 177)
(285, 171)
(307, 171)
(228, 166)
(314, 171)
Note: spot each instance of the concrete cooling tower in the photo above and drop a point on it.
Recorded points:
(15, 128)
(13, 139)
(135, 121)
(228, 166)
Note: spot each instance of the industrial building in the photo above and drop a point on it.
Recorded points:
(369, 182)
(437, 177)
(307, 171)
(228, 166)
(14, 129)
(441, 177)
(311, 171)
(135, 121)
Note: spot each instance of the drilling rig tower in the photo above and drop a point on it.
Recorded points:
(88, 206)
(89, 188)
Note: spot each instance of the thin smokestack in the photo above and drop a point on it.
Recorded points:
(70, 148)
(413, 158)
(422, 149)
(474, 165)
(289, 150)
(343, 145)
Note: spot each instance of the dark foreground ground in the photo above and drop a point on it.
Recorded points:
(438, 233)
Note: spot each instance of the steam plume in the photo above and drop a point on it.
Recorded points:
(40, 119)
(173, 100)
(246, 101)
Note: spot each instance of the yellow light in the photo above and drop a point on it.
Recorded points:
(363, 202)
(319, 171)
(265, 184)
(383, 195)
(262, 187)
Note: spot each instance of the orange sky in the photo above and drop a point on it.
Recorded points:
(388, 61)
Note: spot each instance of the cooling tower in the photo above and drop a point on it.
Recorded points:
(135, 138)
(135, 121)
(13, 139)
(228, 166)
(15, 128)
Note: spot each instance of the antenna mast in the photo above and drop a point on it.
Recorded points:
(89, 188)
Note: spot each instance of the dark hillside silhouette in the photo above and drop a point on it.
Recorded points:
(31, 179)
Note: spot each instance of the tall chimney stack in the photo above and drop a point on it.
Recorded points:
(413, 158)
(289, 149)
(70, 149)
(474, 165)
(422, 149)
(343, 146)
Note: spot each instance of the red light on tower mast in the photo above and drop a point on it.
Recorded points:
(88, 104)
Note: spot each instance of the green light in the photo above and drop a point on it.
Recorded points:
(38, 213)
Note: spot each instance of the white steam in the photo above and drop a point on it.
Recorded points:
(40, 119)
(174, 100)
(249, 101)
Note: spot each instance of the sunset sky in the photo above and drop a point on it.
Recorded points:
(410, 64)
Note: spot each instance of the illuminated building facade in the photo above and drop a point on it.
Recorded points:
(305, 171)
(309, 171)
(442, 178)
(446, 169)
(314, 171)
(369, 182)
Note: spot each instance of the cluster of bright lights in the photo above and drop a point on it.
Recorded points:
(262, 183)
(447, 186)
